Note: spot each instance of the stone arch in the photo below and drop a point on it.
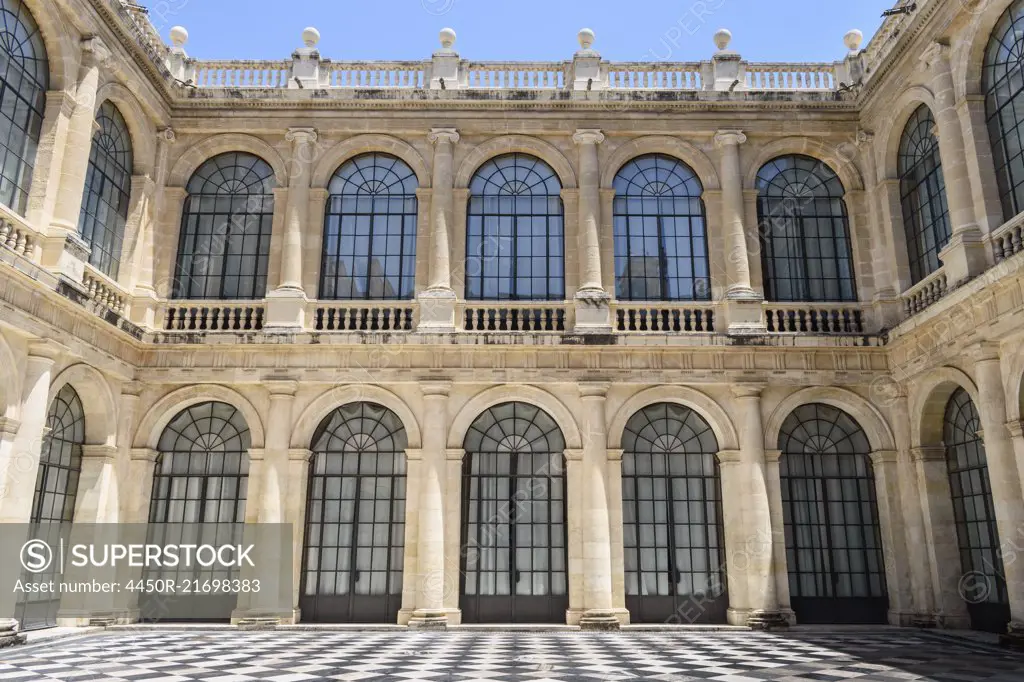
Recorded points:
(897, 116)
(205, 149)
(701, 403)
(97, 398)
(10, 381)
(330, 400)
(689, 154)
(140, 126)
(60, 39)
(334, 157)
(506, 144)
(533, 395)
(866, 415)
(843, 163)
(968, 60)
(930, 395)
(167, 408)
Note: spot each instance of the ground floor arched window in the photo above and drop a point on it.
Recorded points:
(355, 518)
(833, 537)
(672, 518)
(514, 531)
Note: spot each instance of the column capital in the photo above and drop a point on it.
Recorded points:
(730, 456)
(94, 51)
(573, 455)
(413, 454)
(299, 455)
(99, 452)
(747, 390)
(724, 138)
(301, 135)
(454, 454)
(45, 349)
(1016, 428)
(435, 388)
(450, 135)
(983, 352)
(281, 387)
(928, 453)
(615, 455)
(593, 389)
(588, 136)
(8, 427)
(144, 454)
(936, 53)
(772, 456)
(880, 457)
(257, 454)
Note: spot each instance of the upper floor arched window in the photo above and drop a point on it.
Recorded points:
(108, 184)
(24, 80)
(369, 246)
(923, 194)
(515, 233)
(225, 229)
(1003, 85)
(661, 249)
(805, 232)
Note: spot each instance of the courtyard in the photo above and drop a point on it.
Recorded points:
(296, 655)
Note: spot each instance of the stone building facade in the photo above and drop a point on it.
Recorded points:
(579, 342)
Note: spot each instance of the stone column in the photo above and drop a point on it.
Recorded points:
(940, 529)
(617, 539)
(1016, 430)
(437, 301)
(737, 559)
(286, 305)
(75, 162)
(775, 544)
(964, 256)
(18, 470)
(597, 564)
(885, 466)
(743, 304)
(145, 266)
(1005, 479)
(593, 314)
(430, 612)
(761, 578)
(295, 514)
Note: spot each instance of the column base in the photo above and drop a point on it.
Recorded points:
(9, 635)
(437, 311)
(428, 619)
(252, 619)
(767, 620)
(286, 311)
(599, 620)
(925, 621)
(1013, 638)
(963, 258)
(71, 619)
(593, 312)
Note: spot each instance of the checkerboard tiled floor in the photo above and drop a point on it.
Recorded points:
(276, 656)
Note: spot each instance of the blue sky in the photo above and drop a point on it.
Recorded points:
(641, 30)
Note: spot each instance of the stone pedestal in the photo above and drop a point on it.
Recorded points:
(9, 634)
(593, 312)
(286, 311)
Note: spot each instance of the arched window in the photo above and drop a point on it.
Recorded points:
(672, 518)
(225, 229)
(805, 232)
(514, 532)
(24, 80)
(661, 248)
(369, 249)
(974, 510)
(830, 513)
(1003, 84)
(923, 194)
(200, 484)
(108, 184)
(355, 517)
(60, 461)
(515, 233)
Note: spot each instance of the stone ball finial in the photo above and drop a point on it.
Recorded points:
(310, 36)
(447, 38)
(586, 38)
(179, 36)
(853, 39)
(723, 37)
